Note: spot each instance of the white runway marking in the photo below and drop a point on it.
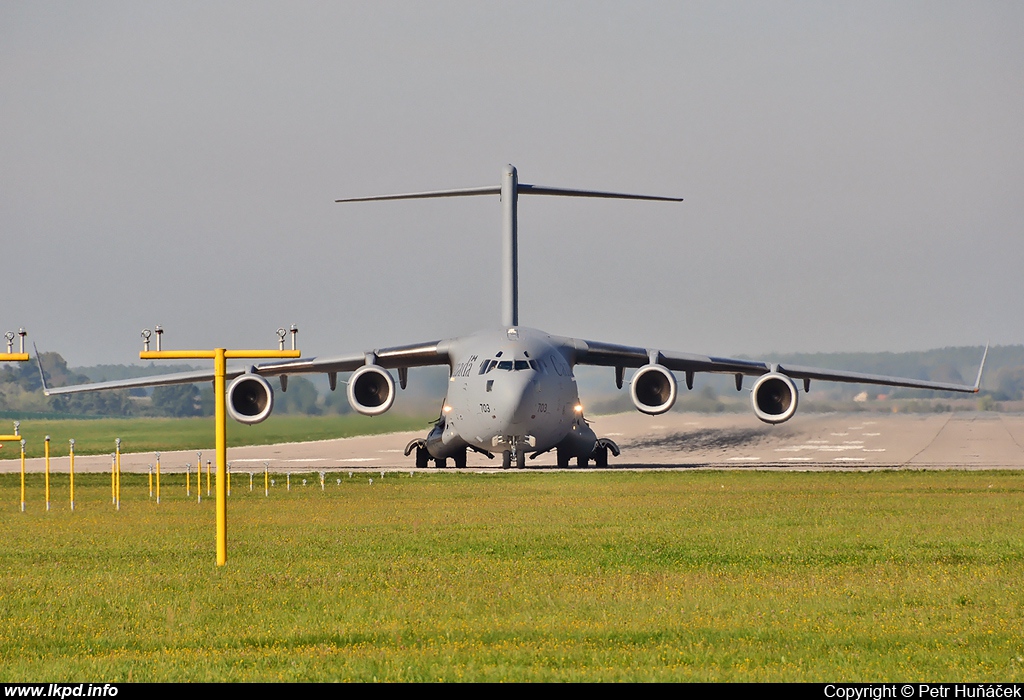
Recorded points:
(871, 434)
(744, 459)
(358, 459)
(849, 459)
(796, 459)
(876, 449)
(839, 434)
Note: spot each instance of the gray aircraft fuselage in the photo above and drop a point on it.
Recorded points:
(510, 389)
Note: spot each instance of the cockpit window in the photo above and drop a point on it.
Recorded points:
(509, 365)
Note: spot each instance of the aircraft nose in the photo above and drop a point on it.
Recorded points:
(514, 404)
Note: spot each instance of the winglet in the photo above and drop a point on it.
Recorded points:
(977, 382)
(42, 375)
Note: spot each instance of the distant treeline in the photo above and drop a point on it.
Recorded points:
(21, 389)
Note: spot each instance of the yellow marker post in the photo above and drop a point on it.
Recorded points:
(22, 476)
(17, 438)
(266, 479)
(46, 454)
(71, 471)
(150, 480)
(250, 481)
(207, 477)
(229, 478)
(21, 356)
(199, 477)
(117, 489)
(158, 478)
(188, 479)
(220, 357)
(113, 476)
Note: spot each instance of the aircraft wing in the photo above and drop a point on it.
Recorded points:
(195, 377)
(399, 357)
(588, 352)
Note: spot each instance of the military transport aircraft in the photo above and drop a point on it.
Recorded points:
(511, 390)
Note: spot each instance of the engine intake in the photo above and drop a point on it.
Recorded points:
(653, 389)
(371, 390)
(250, 399)
(774, 397)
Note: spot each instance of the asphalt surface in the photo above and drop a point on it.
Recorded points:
(671, 441)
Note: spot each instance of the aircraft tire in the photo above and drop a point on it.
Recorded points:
(440, 462)
(581, 462)
(601, 458)
(520, 460)
(460, 459)
(563, 458)
(422, 458)
(506, 460)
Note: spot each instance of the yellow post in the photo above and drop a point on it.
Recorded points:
(220, 368)
(23, 476)
(150, 480)
(188, 479)
(207, 477)
(266, 479)
(46, 454)
(199, 477)
(117, 490)
(158, 478)
(113, 475)
(219, 357)
(229, 478)
(71, 471)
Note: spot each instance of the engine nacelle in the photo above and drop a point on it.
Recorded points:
(653, 389)
(371, 390)
(774, 397)
(250, 399)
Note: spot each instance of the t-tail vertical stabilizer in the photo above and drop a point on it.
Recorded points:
(509, 190)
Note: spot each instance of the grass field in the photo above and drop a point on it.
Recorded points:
(165, 434)
(713, 576)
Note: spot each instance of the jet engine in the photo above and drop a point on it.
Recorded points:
(774, 397)
(250, 399)
(653, 389)
(371, 390)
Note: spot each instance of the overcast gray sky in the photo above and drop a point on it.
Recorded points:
(852, 172)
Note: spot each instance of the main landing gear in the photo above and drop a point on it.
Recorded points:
(423, 457)
(599, 455)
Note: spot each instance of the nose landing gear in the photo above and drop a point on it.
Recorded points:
(520, 458)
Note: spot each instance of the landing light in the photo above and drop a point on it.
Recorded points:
(578, 408)
(447, 408)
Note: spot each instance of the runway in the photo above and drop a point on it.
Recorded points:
(671, 441)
